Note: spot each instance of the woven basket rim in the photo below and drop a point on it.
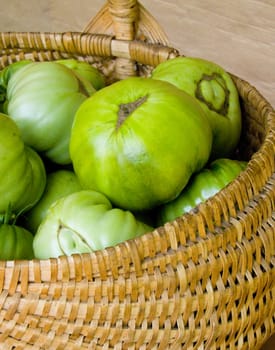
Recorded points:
(14, 46)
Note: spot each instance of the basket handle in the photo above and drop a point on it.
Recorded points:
(128, 21)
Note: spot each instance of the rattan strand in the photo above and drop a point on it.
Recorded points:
(203, 281)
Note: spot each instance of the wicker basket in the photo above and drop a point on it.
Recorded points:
(203, 281)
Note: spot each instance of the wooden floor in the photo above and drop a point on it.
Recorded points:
(237, 34)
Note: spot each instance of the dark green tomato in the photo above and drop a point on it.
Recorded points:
(59, 184)
(201, 186)
(22, 172)
(15, 243)
(83, 222)
(138, 141)
(217, 94)
(42, 98)
(85, 70)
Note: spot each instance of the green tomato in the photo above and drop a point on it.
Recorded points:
(85, 70)
(138, 141)
(16, 243)
(22, 171)
(5, 75)
(10, 70)
(201, 186)
(82, 222)
(59, 184)
(216, 92)
(42, 98)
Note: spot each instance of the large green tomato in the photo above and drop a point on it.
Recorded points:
(85, 70)
(216, 92)
(201, 186)
(60, 183)
(83, 222)
(22, 172)
(138, 141)
(15, 242)
(42, 98)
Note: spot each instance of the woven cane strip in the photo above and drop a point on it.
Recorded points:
(124, 15)
(87, 44)
(205, 280)
(233, 311)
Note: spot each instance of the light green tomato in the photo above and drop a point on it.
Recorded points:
(201, 186)
(22, 171)
(82, 222)
(5, 75)
(87, 71)
(7, 72)
(216, 92)
(138, 141)
(60, 183)
(42, 98)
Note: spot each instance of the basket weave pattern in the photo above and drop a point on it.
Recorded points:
(203, 281)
